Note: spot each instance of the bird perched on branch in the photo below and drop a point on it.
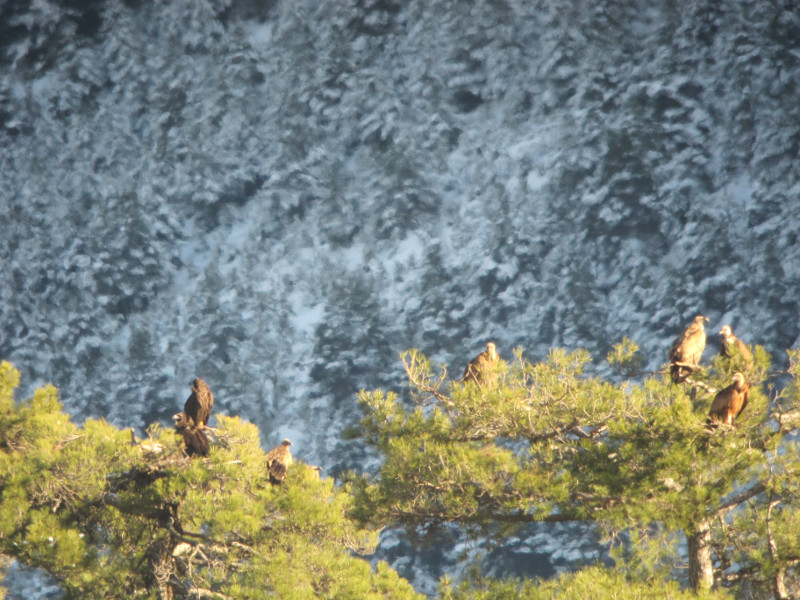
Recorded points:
(686, 350)
(731, 346)
(729, 402)
(194, 437)
(190, 423)
(278, 462)
(199, 404)
(477, 368)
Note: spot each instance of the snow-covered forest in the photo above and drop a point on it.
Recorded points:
(280, 196)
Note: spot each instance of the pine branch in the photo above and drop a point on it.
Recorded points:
(787, 423)
(700, 384)
(779, 582)
(743, 496)
(420, 384)
(489, 432)
(206, 593)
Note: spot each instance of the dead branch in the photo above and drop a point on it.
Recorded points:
(743, 496)
(205, 593)
(432, 390)
(700, 384)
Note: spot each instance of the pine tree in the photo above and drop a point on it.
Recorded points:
(112, 517)
(710, 508)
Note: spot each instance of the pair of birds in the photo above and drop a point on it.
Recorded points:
(684, 358)
(686, 350)
(192, 422)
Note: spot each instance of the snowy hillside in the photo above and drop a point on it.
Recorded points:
(281, 196)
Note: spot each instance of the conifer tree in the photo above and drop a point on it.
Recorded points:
(678, 501)
(111, 517)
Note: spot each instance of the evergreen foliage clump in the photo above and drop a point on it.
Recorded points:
(687, 510)
(111, 517)
(679, 503)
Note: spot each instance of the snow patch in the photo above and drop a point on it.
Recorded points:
(259, 34)
(305, 317)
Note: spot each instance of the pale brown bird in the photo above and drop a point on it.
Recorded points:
(278, 462)
(478, 366)
(194, 438)
(731, 346)
(729, 402)
(687, 350)
(199, 404)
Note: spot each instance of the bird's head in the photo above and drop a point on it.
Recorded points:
(725, 331)
(286, 442)
(491, 349)
(739, 380)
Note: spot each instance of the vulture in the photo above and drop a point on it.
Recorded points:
(278, 462)
(687, 349)
(477, 366)
(193, 435)
(729, 402)
(199, 404)
(731, 345)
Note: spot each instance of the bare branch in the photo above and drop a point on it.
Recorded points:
(743, 496)
(205, 593)
(700, 384)
(432, 390)
(246, 548)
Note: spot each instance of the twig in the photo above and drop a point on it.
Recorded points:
(246, 548)
(700, 384)
(736, 500)
(204, 593)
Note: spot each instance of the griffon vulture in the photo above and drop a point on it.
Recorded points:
(729, 402)
(731, 345)
(278, 462)
(478, 366)
(687, 350)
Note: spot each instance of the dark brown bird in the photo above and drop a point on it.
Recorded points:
(199, 404)
(194, 437)
(478, 366)
(687, 350)
(278, 462)
(731, 346)
(729, 402)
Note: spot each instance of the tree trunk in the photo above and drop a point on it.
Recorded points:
(781, 593)
(701, 569)
(161, 568)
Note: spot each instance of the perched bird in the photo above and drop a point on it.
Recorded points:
(729, 402)
(194, 437)
(278, 462)
(731, 345)
(477, 367)
(199, 404)
(686, 350)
